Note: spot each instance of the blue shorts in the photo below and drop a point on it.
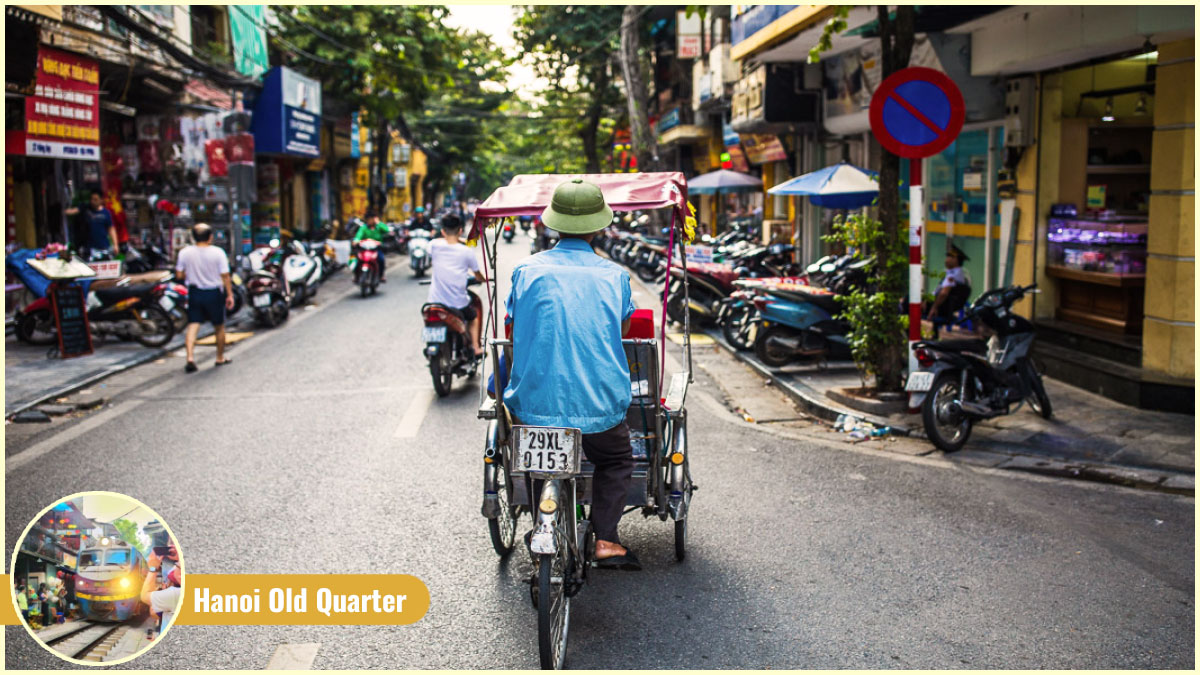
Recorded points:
(206, 305)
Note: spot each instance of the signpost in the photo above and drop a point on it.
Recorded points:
(916, 113)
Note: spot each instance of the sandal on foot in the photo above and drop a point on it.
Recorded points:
(190, 367)
(227, 361)
(625, 563)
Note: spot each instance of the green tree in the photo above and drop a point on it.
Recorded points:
(453, 124)
(130, 535)
(572, 46)
(635, 69)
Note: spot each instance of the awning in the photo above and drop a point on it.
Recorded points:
(36, 13)
(530, 194)
(684, 133)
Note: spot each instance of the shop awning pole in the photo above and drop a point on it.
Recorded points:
(989, 219)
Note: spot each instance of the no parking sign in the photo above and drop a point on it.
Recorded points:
(917, 112)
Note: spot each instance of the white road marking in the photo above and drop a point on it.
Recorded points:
(298, 656)
(410, 424)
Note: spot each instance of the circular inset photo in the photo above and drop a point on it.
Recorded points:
(97, 578)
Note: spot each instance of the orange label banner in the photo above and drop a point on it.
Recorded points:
(293, 600)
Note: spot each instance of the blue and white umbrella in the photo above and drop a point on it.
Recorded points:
(723, 180)
(841, 186)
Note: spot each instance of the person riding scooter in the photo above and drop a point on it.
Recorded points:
(373, 229)
(453, 263)
(420, 221)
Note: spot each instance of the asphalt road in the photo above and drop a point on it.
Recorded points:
(801, 555)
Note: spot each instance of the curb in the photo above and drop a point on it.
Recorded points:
(806, 397)
(1159, 480)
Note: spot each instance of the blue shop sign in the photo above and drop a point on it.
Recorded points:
(287, 115)
(355, 151)
(669, 120)
(728, 135)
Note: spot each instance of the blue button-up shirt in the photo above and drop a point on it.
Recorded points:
(569, 366)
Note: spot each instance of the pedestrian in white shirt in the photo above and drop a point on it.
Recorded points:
(205, 270)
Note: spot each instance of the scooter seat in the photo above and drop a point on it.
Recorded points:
(825, 300)
(110, 296)
(975, 346)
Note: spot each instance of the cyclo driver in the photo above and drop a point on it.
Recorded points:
(373, 229)
(569, 309)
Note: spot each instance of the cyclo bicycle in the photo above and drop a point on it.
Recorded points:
(522, 462)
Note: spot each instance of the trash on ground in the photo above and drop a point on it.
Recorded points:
(859, 429)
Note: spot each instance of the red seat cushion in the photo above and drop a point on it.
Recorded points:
(641, 325)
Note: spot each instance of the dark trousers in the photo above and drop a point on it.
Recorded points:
(612, 455)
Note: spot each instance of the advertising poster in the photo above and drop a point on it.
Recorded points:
(62, 118)
(763, 148)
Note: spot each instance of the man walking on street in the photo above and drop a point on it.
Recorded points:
(569, 309)
(205, 270)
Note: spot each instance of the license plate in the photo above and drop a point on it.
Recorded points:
(433, 334)
(261, 300)
(552, 451)
(166, 303)
(919, 381)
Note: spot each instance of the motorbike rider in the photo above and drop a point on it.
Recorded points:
(420, 221)
(373, 229)
(569, 309)
(452, 263)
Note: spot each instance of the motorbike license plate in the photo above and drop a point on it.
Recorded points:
(433, 334)
(919, 381)
(547, 450)
(262, 300)
(166, 303)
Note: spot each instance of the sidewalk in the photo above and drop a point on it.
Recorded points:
(1088, 437)
(31, 379)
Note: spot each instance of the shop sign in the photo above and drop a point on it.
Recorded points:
(62, 118)
(738, 158)
(728, 135)
(699, 254)
(762, 148)
(355, 151)
(287, 115)
(687, 35)
(669, 120)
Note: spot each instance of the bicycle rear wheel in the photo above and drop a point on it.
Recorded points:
(554, 610)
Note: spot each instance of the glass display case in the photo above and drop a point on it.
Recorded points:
(1111, 245)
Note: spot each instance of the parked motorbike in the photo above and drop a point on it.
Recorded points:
(400, 237)
(303, 272)
(418, 252)
(961, 382)
(544, 239)
(709, 284)
(268, 291)
(172, 298)
(799, 324)
(367, 266)
(447, 344)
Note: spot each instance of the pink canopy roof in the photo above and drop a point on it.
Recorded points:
(529, 194)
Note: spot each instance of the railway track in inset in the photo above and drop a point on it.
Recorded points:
(92, 642)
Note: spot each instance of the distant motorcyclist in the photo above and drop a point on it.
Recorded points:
(373, 229)
(420, 221)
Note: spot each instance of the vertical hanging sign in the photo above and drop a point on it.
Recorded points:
(62, 118)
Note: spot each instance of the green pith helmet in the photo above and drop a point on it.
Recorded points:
(577, 207)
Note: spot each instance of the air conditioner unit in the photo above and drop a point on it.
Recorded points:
(1019, 110)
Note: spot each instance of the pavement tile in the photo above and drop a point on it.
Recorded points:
(980, 457)
(1180, 482)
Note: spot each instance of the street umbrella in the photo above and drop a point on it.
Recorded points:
(716, 182)
(841, 186)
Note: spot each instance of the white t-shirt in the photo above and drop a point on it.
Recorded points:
(165, 601)
(203, 266)
(452, 265)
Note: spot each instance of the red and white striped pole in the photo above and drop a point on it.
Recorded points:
(916, 280)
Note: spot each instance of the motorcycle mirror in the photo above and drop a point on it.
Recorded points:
(827, 268)
(274, 243)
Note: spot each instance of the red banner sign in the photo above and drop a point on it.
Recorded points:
(62, 118)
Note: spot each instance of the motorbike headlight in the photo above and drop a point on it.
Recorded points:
(125, 582)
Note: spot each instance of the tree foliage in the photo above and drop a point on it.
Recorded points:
(572, 47)
(129, 533)
(873, 311)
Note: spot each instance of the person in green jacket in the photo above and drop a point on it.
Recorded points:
(373, 229)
